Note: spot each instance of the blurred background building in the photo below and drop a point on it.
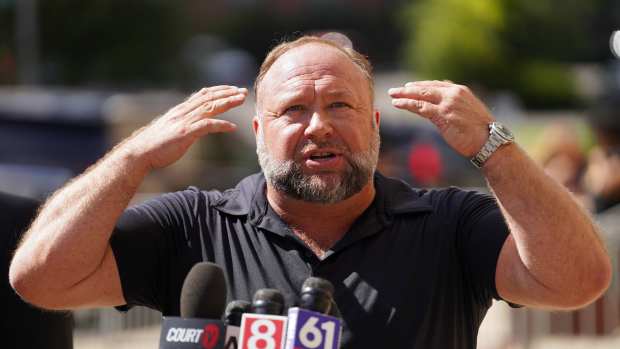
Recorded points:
(76, 77)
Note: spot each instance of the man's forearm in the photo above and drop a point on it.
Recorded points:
(553, 257)
(554, 236)
(68, 239)
(65, 260)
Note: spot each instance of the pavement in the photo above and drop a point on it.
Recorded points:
(144, 338)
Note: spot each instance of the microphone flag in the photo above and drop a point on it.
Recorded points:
(262, 331)
(191, 333)
(311, 330)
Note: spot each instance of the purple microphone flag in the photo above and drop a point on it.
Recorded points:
(311, 330)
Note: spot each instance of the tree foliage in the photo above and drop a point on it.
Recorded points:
(527, 46)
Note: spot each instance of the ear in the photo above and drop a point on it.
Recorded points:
(255, 124)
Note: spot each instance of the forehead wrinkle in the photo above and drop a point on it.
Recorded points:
(313, 70)
(293, 71)
(320, 79)
(307, 76)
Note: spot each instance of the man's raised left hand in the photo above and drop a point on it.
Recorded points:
(462, 119)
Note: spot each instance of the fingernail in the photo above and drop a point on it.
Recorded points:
(242, 90)
(393, 90)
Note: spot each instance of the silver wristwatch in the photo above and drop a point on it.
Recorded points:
(498, 136)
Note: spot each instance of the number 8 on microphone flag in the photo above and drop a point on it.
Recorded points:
(260, 331)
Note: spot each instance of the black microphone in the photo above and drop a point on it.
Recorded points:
(335, 311)
(313, 324)
(232, 318)
(234, 311)
(317, 295)
(264, 324)
(204, 292)
(203, 298)
(268, 301)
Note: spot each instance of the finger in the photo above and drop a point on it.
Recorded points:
(426, 93)
(218, 106)
(190, 102)
(206, 126)
(206, 90)
(424, 109)
(211, 96)
(434, 83)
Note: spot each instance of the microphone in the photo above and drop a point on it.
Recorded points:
(203, 294)
(317, 295)
(309, 326)
(234, 311)
(232, 318)
(265, 327)
(203, 298)
(335, 311)
(268, 301)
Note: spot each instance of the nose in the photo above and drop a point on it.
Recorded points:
(319, 126)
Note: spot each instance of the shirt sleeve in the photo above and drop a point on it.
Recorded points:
(153, 244)
(482, 232)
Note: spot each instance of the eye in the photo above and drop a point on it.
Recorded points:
(339, 105)
(294, 108)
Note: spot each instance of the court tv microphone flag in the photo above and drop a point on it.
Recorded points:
(203, 298)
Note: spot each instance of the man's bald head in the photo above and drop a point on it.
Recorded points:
(355, 57)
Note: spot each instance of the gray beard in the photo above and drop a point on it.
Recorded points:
(287, 177)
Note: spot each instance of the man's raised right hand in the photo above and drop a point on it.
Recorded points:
(167, 138)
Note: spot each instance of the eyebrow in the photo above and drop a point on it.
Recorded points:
(339, 93)
(295, 96)
(290, 97)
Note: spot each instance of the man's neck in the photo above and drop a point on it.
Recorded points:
(320, 225)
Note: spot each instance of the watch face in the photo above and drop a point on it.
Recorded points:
(503, 131)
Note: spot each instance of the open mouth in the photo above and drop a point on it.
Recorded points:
(322, 156)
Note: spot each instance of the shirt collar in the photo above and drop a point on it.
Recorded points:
(248, 199)
(239, 200)
(393, 197)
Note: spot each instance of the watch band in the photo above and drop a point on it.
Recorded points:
(498, 136)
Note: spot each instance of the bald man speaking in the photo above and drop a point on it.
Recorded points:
(412, 268)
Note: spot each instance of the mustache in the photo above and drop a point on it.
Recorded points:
(326, 144)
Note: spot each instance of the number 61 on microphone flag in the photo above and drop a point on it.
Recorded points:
(311, 330)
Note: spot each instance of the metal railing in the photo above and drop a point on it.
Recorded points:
(109, 320)
(600, 318)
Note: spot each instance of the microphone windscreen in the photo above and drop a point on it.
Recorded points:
(317, 295)
(268, 301)
(334, 310)
(234, 311)
(314, 284)
(204, 292)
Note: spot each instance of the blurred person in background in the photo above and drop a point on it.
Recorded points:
(411, 267)
(563, 159)
(602, 184)
(25, 326)
(602, 176)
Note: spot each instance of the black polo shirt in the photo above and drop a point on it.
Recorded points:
(416, 270)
